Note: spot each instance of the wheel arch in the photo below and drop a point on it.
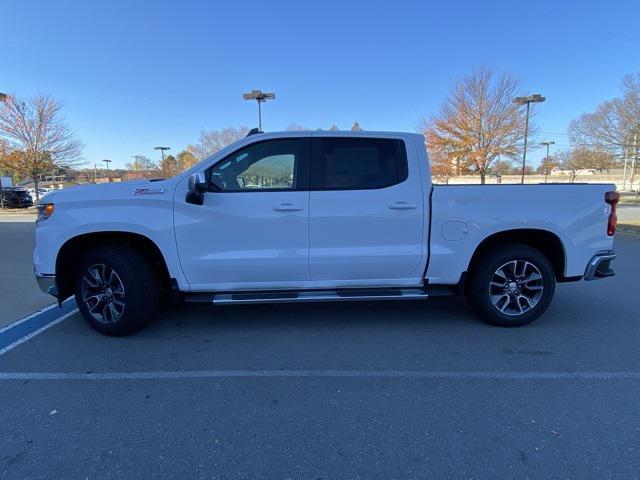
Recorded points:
(69, 256)
(545, 241)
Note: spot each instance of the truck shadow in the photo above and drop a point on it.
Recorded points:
(436, 312)
(630, 231)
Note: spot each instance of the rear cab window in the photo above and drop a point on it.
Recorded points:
(348, 163)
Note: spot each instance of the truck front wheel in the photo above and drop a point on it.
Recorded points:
(116, 290)
(511, 286)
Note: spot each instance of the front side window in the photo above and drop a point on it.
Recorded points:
(270, 165)
(357, 163)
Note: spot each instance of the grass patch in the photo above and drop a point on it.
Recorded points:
(629, 198)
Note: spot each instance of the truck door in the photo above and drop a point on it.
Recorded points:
(367, 217)
(252, 230)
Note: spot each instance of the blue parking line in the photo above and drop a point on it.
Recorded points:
(31, 325)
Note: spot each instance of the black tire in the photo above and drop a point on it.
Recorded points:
(517, 303)
(133, 291)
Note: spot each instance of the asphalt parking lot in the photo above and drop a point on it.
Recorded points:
(629, 212)
(353, 390)
(19, 292)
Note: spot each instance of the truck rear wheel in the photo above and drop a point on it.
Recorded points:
(116, 290)
(511, 286)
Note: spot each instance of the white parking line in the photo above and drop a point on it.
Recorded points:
(28, 317)
(28, 327)
(384, 374)
(37, 332)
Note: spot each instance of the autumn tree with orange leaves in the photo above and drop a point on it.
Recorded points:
(477, 123)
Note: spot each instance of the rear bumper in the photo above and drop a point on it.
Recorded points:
(600, 266)
(47, 283)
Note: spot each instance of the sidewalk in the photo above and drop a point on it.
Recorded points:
(18, 214)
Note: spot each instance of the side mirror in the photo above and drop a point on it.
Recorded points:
(196, 186)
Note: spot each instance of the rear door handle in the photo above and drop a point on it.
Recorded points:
(287, 207)
(403, 206)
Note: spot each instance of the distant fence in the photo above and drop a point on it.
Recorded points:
(512, 179)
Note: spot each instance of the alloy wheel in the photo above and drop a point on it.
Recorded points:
(516, 287)
(103, 293)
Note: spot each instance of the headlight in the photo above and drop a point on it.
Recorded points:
(44, 211)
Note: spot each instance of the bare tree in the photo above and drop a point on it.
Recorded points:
(547, 164)
(142, 164)
(477, 122)
(581, 158)
(614, 124)
(294, 127)
(35, 129)
(215, 140)
(566, 161)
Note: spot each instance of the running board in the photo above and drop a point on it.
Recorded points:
(341, 295)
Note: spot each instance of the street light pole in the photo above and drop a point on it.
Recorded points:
(3, 98)
(260, 97)
(162, 149)
(546, 159)
(107, 162)
(535, 98)
(633, 160)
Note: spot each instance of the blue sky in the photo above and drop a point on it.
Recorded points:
(136, 74)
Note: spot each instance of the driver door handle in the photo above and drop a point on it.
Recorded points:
(287, 207)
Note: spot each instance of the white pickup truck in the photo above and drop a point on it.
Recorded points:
(318, 216)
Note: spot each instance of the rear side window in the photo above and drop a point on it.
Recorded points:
(357, 163)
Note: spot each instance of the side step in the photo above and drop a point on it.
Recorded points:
(340, 295)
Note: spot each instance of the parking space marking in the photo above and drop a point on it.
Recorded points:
(28, 327)
(385, 374)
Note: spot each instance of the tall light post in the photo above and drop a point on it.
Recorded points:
(162, 149)
(546, 159)
(3, 98)
(260, 97)
(535, 98)
(107, 162)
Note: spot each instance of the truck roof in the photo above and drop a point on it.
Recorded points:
(332, 133)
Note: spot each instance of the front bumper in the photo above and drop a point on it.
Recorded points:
(47, 283)
(600, 266)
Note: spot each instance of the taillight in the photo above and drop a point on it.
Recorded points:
(612, 199)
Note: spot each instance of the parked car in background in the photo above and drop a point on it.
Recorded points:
(319, 216)
(15, 198)
(41, 191)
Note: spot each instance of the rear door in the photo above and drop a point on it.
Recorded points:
(366, 212)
